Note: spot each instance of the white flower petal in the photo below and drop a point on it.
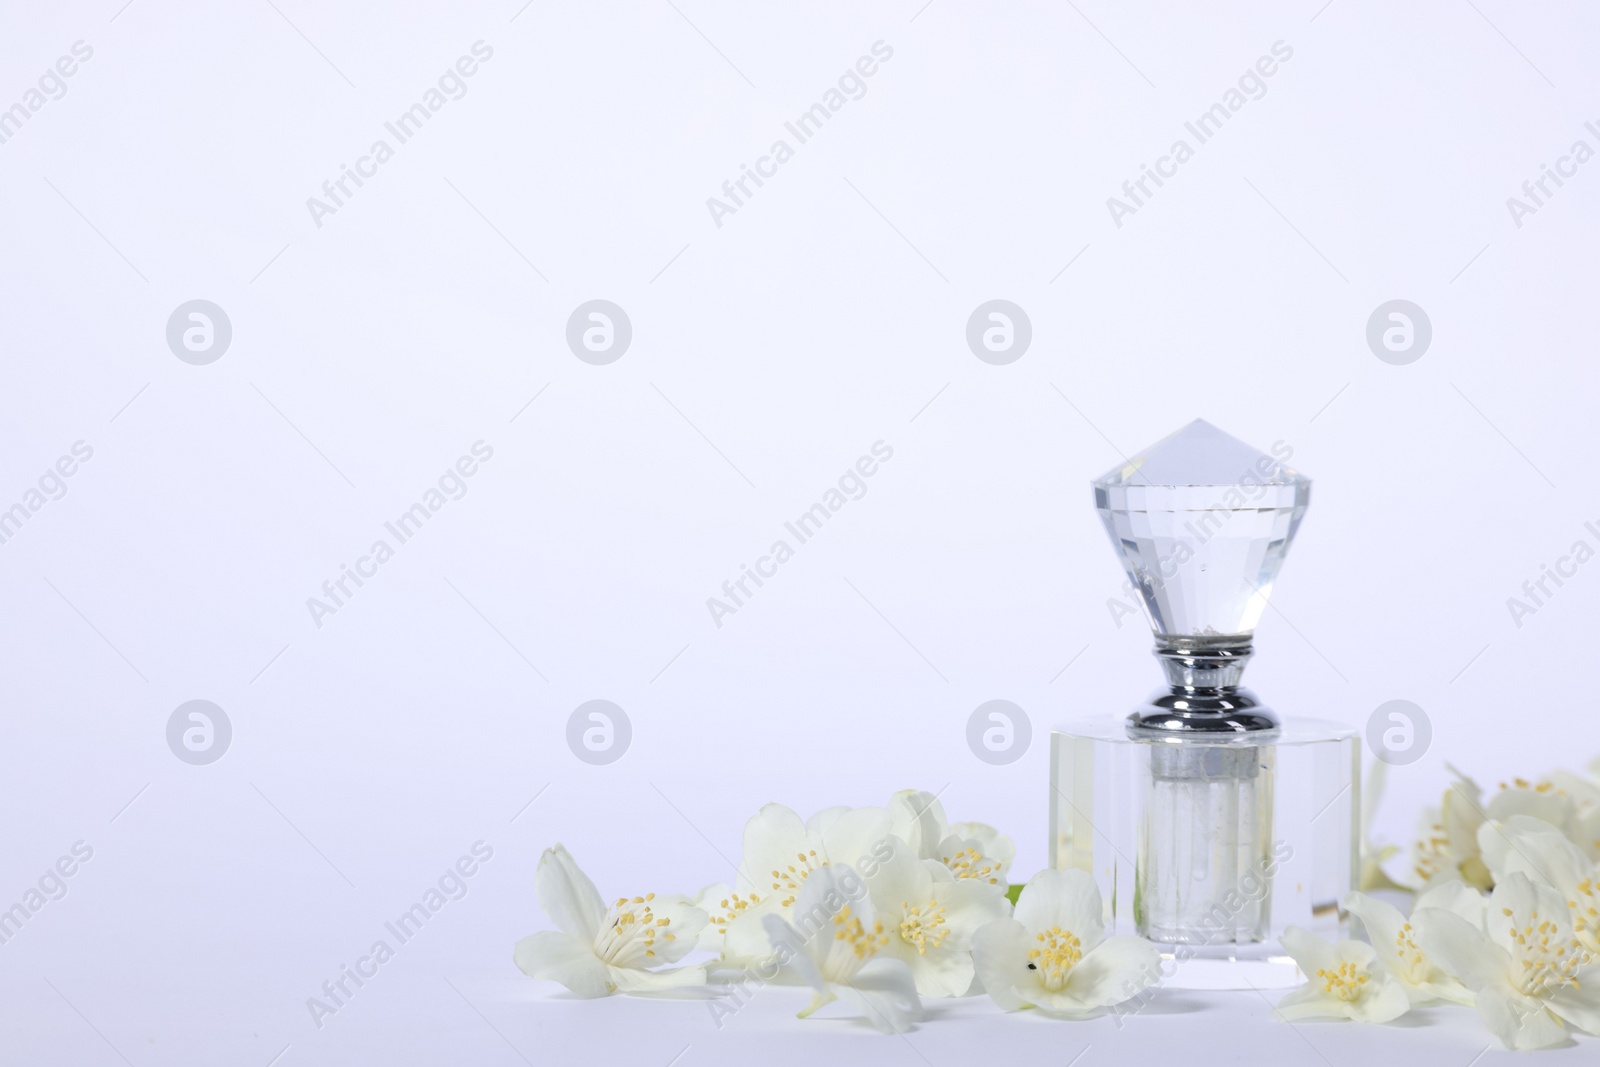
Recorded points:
(774, 838)
(1515, 903)
(826, 818)
(1550, 806)
(885, 995)
(1585, 834)
(560, 957)
(942, 972)
(680, 933)
(567, 895)
(1357, 952)
(747, 940)
(917, 818)
(1421, 976)
(1532, 847)
(1579, 1004)
(966, 858)
(1064, 1006)
(973, 904)
(825, 894)
(792, 953)
(1583, 792)
(1115, 970)
(709, 900)
(633, 980)
(1383, 1000)
(850, 838)
(1447, 845)
(1308, 1001)
(1396, 945)
(1000, 957)
(991, 842)
(1444, 988)
(1067, 899)
(1311, 952)
(942, 966)
(1455, 896)
(1382, 920)
(1459, 948)
(1518, 1021)
(902, 877)
(829, 889)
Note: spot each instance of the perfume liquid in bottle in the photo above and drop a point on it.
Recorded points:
(1204, 865)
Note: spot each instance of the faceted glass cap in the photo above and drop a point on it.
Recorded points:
(1201, 522)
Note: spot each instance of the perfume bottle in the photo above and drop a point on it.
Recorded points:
(1210, 822)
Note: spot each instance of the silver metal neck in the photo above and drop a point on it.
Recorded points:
(1197, 663)
(1205, 695)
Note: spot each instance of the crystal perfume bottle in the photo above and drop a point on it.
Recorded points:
(1210, 822)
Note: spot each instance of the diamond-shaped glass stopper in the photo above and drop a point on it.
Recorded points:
(1201, 522)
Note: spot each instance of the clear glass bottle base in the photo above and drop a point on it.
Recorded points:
(1211, 846)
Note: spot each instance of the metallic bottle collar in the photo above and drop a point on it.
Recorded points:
(1205, 695)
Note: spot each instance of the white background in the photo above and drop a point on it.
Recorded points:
(827, 313)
